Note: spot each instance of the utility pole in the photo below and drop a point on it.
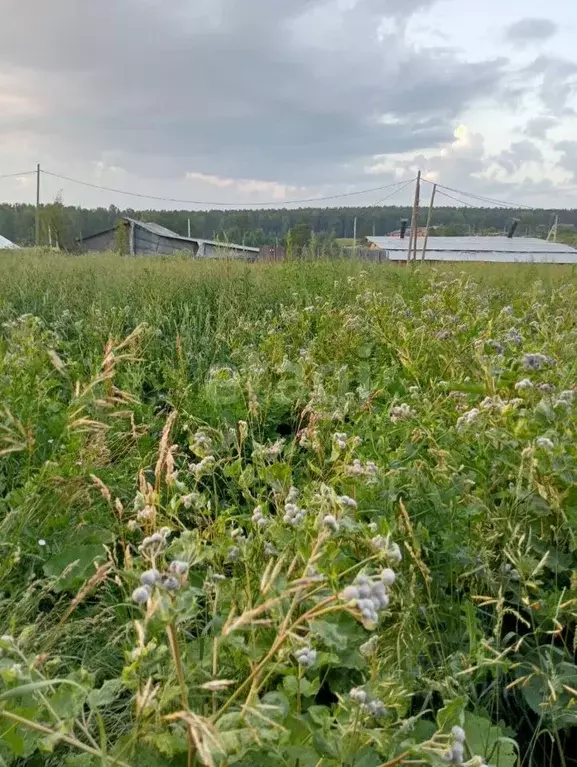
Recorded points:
(189, 229)
(553, 231)
(37, 231)
(413, 238)
(429, 219)
(355, 237)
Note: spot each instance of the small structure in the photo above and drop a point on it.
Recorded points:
(6, 244)
(147, 239)
(468, 249)
(272, 253)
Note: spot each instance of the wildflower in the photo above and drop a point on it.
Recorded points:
(401, 413)
(495, 345)
(493, 403)
(147, 514)
(340, 440)
(258, 517)
(305, 657)
(201, 444)
(377, 708)
(192, 499)
(293, 514)
(546, 387)
(394, 553)
(443, 335)
(178, 567)
(513, 336)
(507, 310)
(141, 595)
(467, 419)
(368, 596)
(346, 502)
(373, 527)
(292, 495)
(330, 521)
(369, 647)
(154, 541)
(567, 395)
(170, 583)
(536, 361)
(388, 576)
(457, 753)
(525, 383)
(204, 467)
(355, 469)
(544, 443)
(42, 542)
(150, 577)
(269, 550)
(218, 577)
(233, 554)
(459, 734)
(358, 695)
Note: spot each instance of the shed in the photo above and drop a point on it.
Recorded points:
(147, 238)
(6, 244)
(466, 249)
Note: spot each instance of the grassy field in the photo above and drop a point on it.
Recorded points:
(308, 514)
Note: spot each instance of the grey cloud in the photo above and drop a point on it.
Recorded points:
(568, 159)
(556, 83)
(238, 88)
(518, 153)
(531, 30)
(538, 127)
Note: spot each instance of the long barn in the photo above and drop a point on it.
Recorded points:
(147, 239)
(495, 249)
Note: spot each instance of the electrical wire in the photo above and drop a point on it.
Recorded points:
(13, 175)
(394, 192)
(493, 201)
(450, 196)
(219, 204)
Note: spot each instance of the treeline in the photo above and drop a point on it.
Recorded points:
(64, 225)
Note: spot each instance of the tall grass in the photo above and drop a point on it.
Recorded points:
(209, 470)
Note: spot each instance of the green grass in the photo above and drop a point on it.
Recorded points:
(150, 395)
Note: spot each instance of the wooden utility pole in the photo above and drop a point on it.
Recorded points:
(37, 229)
(189, 229)
(355, 237)
(429, 219)
(413, 237)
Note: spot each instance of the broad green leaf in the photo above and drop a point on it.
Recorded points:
(451, 713)
(108, 693)
(487, 740)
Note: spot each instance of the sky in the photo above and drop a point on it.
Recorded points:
(242, 102)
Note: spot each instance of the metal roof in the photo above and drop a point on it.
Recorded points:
(4, 243)
(162, 231)
(499, 249)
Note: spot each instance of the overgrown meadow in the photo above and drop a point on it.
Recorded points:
(309, 514)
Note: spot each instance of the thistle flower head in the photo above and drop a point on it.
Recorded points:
(141, 595)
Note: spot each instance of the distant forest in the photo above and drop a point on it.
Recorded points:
(64, 224)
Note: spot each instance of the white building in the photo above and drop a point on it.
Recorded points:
(465, 249)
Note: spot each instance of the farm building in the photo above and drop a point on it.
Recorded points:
(145, 238)
(496, 249)
(4, 243)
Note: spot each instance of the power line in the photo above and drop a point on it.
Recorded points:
(218, 204)
(13, 175)
(491, 200)
(395, 191)
(450, 196)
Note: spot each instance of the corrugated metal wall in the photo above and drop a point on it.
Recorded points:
(100, 242)
(147, 243)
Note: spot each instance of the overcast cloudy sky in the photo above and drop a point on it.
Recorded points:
(272, 100)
